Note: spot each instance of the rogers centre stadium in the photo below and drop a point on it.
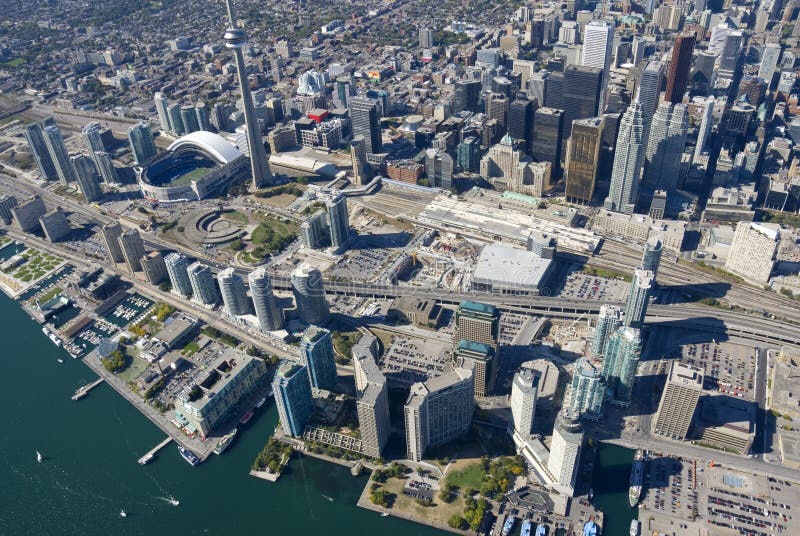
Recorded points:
(193, 167)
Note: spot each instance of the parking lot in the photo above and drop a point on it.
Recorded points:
(588, 287)
(408, 361)
(728, 368)
(671, 487)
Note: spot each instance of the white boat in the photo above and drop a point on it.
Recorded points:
(330, 499)
(173, 501)
(385, 514)
(39, 457)
(60, 360)
(122, 513)
(261, 402)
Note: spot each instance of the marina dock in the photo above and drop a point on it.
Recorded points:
(83, 391)
(151, 454)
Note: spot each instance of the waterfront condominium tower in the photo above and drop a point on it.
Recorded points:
(204, 288)
(234, 293)
(583, 156)
(438, 411)
(619, 366)
(372, 402)
(628, 160)
(651, 257)
(678, 401)
(338, 222)
(111, 233)
(524, 392)
(141, 141)
(161, 109)
(58, 154)
(586, 390)
(608, 320)
(638, 299)
(88, 179)
(679, 67)
(309, 294)
(565, 451)
(178, 271)
(665, 146)
(365, 116)
(154, 268)
(293, 397)
(34, 133)
(92, 134)
(130, 242)
(316, 353)
(235, 40)
(269, 314)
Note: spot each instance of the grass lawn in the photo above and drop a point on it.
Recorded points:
(385, 337)
(466, 474)
(190, 349)
(280, 228)
(437, 514)
(16, 62)
(134, 370)
(50, 294)
(235, 217)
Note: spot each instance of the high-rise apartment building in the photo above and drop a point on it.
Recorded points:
(587, 390)
(753, 250)
(638, 298)
(293, 397)
(178, 271)
(234, 293)
(425, 38)
(34, 133)
(338, 222)
(628, 161)
(189, 118)
(665, 146)
(268, 312)
(358, 154)
(608, 320)
(26, 215)
(204, 288)
(87, 177)
(438, 411)
(583, 157)
(201, 113)
(175, 119)
(161, 109)
(651, 257)
(524, 392)
(7, 203)
(111, 233)
(58, 154)
(678, 401)
(141, 141)
(366, 120)
(55, 225)
(619, 366)
(565, 451)
(309, 294)
(105, 166)
(316, 353)
(372, 397)
(678, 73)
(130, 242)
(154, 268)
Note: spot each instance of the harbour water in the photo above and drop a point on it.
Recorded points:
(90, 468)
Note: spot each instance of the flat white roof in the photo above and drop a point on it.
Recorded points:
(509, 267)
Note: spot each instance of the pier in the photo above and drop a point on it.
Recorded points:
(83, 391)
(151, 454)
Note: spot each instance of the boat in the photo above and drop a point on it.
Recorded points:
(225, 442)
(46, 331)
(330, 499)
(189, 456)
(173, 501)
(541, 530)
(122, 513)
(55, 339)
(385, 514)
(246, 417)
(526, 528)
(261, 402)
(637, 477)
(635, 527)
(39, 457)
(60, 360)
(591, 494)
(508, 525)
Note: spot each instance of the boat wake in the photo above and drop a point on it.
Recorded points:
(171, 500)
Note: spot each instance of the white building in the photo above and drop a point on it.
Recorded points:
(523, 400)
(565, 450)
(753, 250)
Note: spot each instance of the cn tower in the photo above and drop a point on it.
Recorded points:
(235, 39)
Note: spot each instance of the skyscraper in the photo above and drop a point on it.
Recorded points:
(201, 113)
(469, 154)
(438, 411)
(520, 119)
(582, 88)
(769, 62)
(26, 215)
(316, 353)
(439, 169)
(141, 141)
(730, 54)
(338, 222)
(638, 299)
(586, 390)
(154, 268)
(496, 106)
(678, 401)
(234, 293)
(619, 366)
(466, 96)
(92, 138)
(367, 122)
(175, 120)
(130, 242)
(269, 314)
(161, 109)
(651, 257)
(598, 40)
(178, 271)
(649, 90)
(679, 68)
(235, 39)
(665, 146)
(583, 157)
(293, 397)
(111, 233)
(106, 167)
(372, 392)
(705, 127)
(88, 179)
(524, 391)
(425, 38)
(358, 154)
(189, 118)
(58, 154)
(628, 160)
(753, 250)
(309, 294)
(35, 135)
(548, 134)
(608, 320)
(565, 451)
(204, 288)
(478, 322)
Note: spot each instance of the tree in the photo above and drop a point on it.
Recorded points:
(458, 522)
(114, 362)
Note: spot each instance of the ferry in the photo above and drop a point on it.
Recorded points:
(637, 477)
(635, 527)
(526, 528)
(261, 402)
(225, 442)
(508, 526)
(189, 456)
(246, 417)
